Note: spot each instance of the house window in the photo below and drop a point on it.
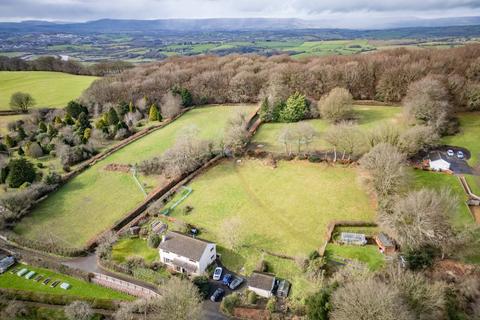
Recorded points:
(166, 260)
(211, 249)
(212, 257)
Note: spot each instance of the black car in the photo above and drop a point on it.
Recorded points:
(217, 295)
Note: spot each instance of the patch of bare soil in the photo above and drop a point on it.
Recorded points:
(125, 168)
(451, 270)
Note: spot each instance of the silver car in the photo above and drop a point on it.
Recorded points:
(235, 283)
(217, 274)
(460, 155)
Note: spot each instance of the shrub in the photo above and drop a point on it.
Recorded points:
(229, 303)
(262, 266)
(33, 149)
(271, 305)
(20, 171)
(153, 240)
(154, 114)
(318, 305)
(420, 258)
(74, 109)
(112, 117)
(9, 142)
(252, 297)
(201, 282)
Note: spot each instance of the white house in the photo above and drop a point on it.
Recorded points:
(262, 284)
(186, 254)
(438, 163)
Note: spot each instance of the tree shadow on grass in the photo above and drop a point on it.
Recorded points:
(231, 259)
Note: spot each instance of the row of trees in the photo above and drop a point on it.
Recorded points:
(50, 63)
(355, 293)
(384, 76)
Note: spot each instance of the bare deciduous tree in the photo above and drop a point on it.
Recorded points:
(418, 138)
(171, 105)
(232, 232)
(368, 299)
(79, 310)
(427, 102)
(425, 298)
(347, 138)
(236, 133)
(421, 219)
(386, 166)
(337, 105)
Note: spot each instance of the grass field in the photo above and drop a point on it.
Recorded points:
(369, 254)
(473, 183)
(94, 200)
(123, 249)
(49, 89)
(283, 210)
(79, 288)
(469, 135)
(5, 120)
(367, 118)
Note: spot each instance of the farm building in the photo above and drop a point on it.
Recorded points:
(353, 238)
(262, 284)
(385, 243)
(438, 163)
(185, 254)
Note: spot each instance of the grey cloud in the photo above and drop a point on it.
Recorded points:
(80, 10)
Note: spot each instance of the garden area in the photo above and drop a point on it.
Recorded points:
(49, 89)
(79, 288)
(367, 117)
(104, 197)
(284, 211)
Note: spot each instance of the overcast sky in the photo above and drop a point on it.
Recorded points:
(346, 11)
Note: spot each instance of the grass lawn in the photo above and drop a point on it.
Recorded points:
(49, 89)
(94, 200)
(368, 254)
(283, 210)
(368, 117)
(133, 247)
(469, 135)
(433, 180)
(79, 288)
(5, 120)
(474, 183)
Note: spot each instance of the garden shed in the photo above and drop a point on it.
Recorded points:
(262, 284)
(358, 239)
(385, 243)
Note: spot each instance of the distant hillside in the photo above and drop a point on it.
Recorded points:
(203, 25)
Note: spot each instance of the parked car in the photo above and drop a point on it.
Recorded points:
(460, 155)
(217, 274)
(236, 283)
(450, 153)
(227, 279)
(217, 295)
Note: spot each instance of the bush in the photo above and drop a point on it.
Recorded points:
(262, 266)
(229, 303)
(33, 150)
(153, 240)
(271, 305)
(337, 105)
(20, 171)
(318, 305)
(295, 109)
(201, 282)
(252, 297)
(420, 258)
(74, 109)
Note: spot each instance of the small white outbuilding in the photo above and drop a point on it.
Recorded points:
(438, 163)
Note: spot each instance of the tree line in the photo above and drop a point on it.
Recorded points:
(49, 63)
(383, 76)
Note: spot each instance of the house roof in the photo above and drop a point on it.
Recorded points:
(7, 262)
(350, 236)
(261, 280)
(385, 240)
(436, 156)
(184, 245)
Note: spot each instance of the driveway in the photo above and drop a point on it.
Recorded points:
(458, 166)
